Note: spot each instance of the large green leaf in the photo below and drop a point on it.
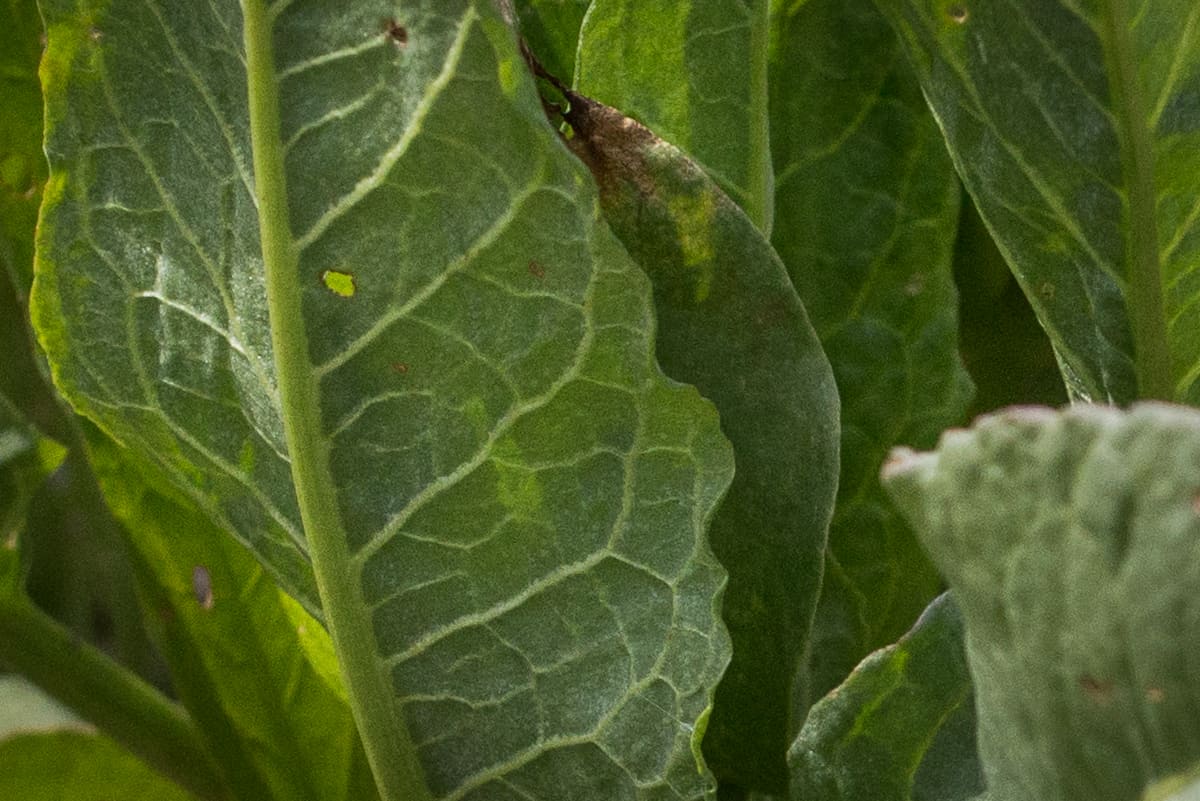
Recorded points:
(1075, 126)
(730, 323)
(1072, 543)
(866, 205)
(255, 671)
(900, 728)
(695, 73)
(318, 264)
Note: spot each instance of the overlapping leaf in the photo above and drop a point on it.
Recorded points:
(1072, 543)
(900, 728)
(695, 73)
(551, 28)
(866, 207)
(731, 323)
(1076, 128)
(26, 459)
(509, 497)
(254, 670)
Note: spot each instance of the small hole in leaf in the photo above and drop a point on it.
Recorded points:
(537, 270)
(339, 283)
(396, 32)
(400, 367)
(202, 586)
(958, 13)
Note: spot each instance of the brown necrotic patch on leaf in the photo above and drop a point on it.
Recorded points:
(202, 586)
(396, 32)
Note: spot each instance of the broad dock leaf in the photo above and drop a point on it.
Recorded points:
(866, 208)
(731, 324)
(1075, 127)
(1071, 541)
(695, 73)
(305, 258)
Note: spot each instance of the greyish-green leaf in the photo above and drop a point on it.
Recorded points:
(1071, 541)
(900, 728)
(303, 257)
(695, 73)
(866, 209)
(1076, 128)
(731, 323)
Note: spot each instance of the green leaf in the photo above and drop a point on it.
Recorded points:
(695, 73)
(866, 208)
(731, 324)
(900, 727)
(503, 499)
(551, 28)
(254, 669)
(26, 459)
(1071, 541)
(22, 165)
(76, 766)
(1075, 128)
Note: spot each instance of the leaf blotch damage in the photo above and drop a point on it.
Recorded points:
(958, 13)
(339, 283)
(537, 270)
(396, 32)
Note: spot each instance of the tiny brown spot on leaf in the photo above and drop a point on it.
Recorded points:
(915, 285)
(1098, 690)
(400, 367)
(202, 586)
(396, 32)
(1155, 695)
(537, 270)
(958, 13)
(1046, 290)
(95, 34)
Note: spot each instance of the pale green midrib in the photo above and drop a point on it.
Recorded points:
(761, 200)
(387, 743)
(1143, 273)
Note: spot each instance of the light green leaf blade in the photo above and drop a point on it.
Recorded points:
(866, 209)
(730, 323)
(900, 728)
(695, 73)
(1075, 127)
(551, 28)
(48, 754)
(255, 671)
(77, 766)
(1070, 541)
(504, 500)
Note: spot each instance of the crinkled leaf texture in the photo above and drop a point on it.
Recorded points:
(900, 728)
(1076, 127)
(731, 324)
(1071, 541)
(505, 499)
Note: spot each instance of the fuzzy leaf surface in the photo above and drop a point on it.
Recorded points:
(1076, 128)
(866, 209)
(731, 324)
(1071, 541)
(507, 496)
